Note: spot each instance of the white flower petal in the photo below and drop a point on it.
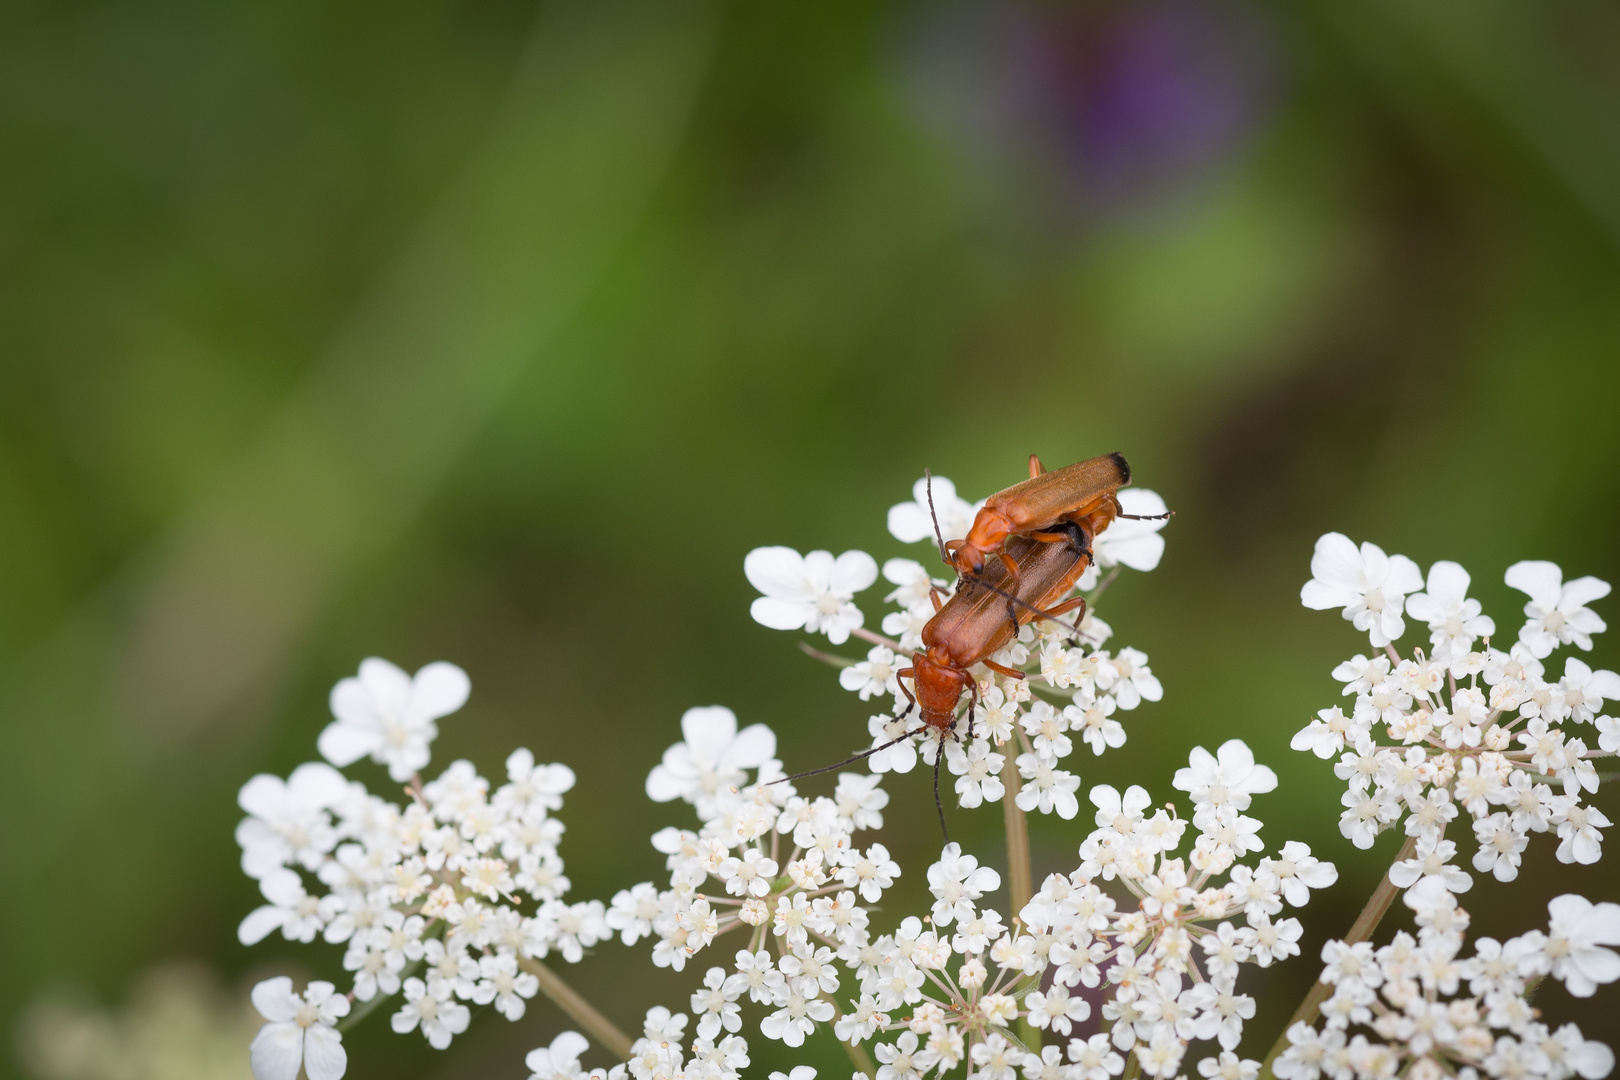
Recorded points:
(1537, 579)
(387, 684)
(777, 571)
(779, 614)
(852, 572)
(1582, 591)
(263, 796)
(1448, 584)
(1338, 562)
(708, 730)
(324, 1058)
(316, 785)
(665, 786)
(259, 923)
(275, 1000)
(439, 689)
(753, 746)
(277, 1052)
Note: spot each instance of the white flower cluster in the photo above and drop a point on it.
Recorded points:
(449, 899)
(1172, 959)
(1433, 1014)
(953, 982)
(457, 897)
(782, 869)
(1090, 686)
(1465, 728)
(1473, 729)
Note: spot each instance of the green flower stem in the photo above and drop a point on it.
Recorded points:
(1019, 883)
(579, 1010)
(1360, 931)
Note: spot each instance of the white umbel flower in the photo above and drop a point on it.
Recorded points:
(389, 715)
(1557, 613)
(1576, 934)
(1454, 618)
(814, 592)
(957, 880)
(302, 1031)
(1370, 586)
(711, 757)
(289, 822)
(1227, 778)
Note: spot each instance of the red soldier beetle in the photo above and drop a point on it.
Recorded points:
(1081, 494)
(983, 616)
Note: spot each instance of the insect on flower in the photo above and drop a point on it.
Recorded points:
(1082, 494)
(981, 618)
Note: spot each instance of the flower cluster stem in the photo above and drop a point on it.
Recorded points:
(579, 1010)
(1362, 929)
(1020, 883)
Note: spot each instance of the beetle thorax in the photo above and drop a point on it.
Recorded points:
(939, 686)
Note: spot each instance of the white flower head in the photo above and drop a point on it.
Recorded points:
(1454, 619)
(1370, 586)
(302, 1031)
(957, 880)
(1577, 931)
(389, 715)
(1557, 613)
(712, 756)
(1227, 778)
(289, 821)
(813, 592)
(910, 522)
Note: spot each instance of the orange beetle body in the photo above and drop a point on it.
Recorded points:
(1078, 494)
(987, 611)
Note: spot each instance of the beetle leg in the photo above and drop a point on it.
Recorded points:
(1066, 607)
(1035, 467)
(899, 679)
(1002, 669)
(933, 596)
(973, 698)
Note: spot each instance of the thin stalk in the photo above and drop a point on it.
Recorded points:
(1360, 931)
(1019, 884)
(826, 658)
(579, 1010)
(876, 639)
(366, 1008)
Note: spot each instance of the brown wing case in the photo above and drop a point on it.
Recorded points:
(974, 623)
(1043, 499)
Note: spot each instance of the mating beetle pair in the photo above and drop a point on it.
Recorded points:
(1040, 533)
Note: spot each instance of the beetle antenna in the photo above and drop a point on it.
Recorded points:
(939, 754)
(1166, 516)
(928, 479)
(846, 761)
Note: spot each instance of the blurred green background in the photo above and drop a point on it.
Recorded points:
(499, 334)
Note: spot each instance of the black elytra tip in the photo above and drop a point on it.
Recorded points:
(1123, 466)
